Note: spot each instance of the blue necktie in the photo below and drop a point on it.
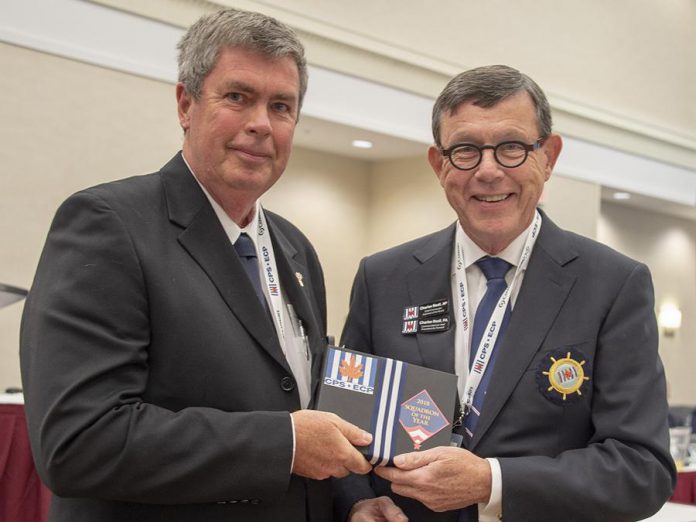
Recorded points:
(247, 255)
(494, 269)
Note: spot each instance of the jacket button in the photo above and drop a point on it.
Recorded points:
(287, 384)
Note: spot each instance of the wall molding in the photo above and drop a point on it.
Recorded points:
(405, 69)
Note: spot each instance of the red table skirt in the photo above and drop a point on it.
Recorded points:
(23, 498)
(685, 491)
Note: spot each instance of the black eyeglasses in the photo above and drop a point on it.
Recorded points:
(509, 154)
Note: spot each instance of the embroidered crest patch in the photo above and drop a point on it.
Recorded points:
(562, 375)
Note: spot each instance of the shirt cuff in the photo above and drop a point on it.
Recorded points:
(494, 509)
(292, 461)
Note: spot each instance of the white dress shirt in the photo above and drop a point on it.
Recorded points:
(476, 288)
(292, 343)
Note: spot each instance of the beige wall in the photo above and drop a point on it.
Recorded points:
(631, 58)
(572, 204)
(74, 125)
(668, 246)
(325, 195)
(619, 73)
(65, 125)
(406, 201)
(572, 49)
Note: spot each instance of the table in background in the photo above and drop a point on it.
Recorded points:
(23, 498)
(685, 490)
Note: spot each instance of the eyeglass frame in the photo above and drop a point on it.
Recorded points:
(527, 149)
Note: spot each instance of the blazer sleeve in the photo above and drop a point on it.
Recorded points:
(624, 471)
(84, 359)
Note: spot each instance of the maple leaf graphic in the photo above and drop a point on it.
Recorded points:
(350, 368)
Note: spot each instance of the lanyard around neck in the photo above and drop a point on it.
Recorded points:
(270, 274)
(488, 341)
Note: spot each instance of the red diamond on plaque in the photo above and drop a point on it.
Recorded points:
(421, 418)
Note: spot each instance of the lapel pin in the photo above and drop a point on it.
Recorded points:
(299, 278)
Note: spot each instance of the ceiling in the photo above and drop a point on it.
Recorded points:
(327, 136)
(650, 204)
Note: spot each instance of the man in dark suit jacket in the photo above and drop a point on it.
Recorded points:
(572, 419)
(159, 376)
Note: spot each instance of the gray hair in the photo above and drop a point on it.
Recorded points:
(200, 47)
(485, 87)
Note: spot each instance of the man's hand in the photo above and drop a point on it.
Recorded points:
(442, 478)
(324, 446)
(380, 509)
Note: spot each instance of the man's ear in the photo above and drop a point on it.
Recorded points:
(437, 162)
(552, 149)
(183, 104)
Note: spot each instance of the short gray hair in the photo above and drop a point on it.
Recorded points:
(200, 47)
(485, 87)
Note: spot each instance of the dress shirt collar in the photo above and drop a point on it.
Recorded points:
(231, 228)
(472, 252)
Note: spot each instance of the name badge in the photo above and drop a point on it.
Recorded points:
(439, 324)
(434, 325)
(439, 307)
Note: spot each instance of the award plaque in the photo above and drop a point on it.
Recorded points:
(405, 407)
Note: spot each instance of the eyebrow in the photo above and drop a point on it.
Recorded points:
(238, 86)
(235, 85)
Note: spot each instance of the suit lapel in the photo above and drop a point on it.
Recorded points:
(427, 284)
(544, 290)
(205, 240)
(291, 271)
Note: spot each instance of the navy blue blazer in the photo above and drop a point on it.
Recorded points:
(601, 454)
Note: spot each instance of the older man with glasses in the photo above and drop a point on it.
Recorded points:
(563, 414)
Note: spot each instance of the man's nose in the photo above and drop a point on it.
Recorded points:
(259, 121)
(489, 169)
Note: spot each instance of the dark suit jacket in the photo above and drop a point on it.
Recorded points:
(602, 455)
(155, 385)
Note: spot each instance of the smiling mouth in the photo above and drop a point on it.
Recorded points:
(252, 153)
(492, 199)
